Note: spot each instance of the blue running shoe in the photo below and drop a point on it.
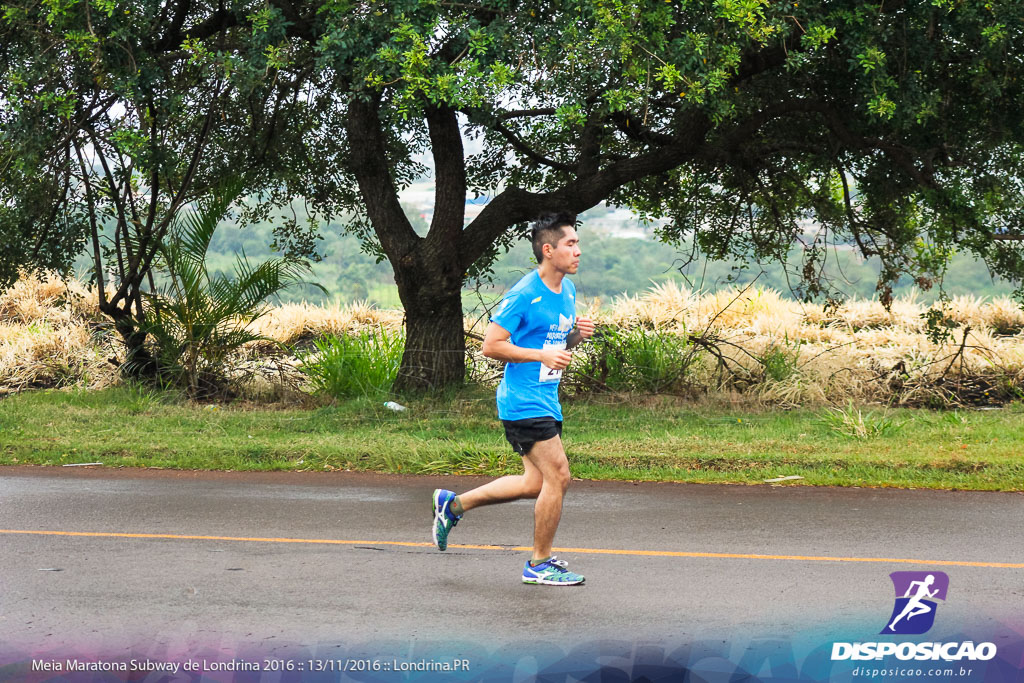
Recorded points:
(444, 520)
(551, 573)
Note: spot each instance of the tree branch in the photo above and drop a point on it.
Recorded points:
(519, 145)
(218, 22)
(590, 147)
(523, 113)
(377, 186)
(901, 154)
(115, 195)
(181, 10)
(450, 176)
(633, 128)
(754, 63)
(92, 225)
(515, 205)
(300, 25)
(151, 239)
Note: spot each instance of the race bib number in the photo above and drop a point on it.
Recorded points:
(550, 374)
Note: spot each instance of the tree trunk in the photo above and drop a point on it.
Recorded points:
(435, 341)
(428, 270)
(139, 363)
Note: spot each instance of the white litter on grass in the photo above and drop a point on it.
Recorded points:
(82, 464)
(397, 407)
(789, 478)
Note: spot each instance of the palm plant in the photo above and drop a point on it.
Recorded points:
(197, 320)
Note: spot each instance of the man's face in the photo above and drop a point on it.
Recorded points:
(565, 257)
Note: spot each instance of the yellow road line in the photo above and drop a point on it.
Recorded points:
(581, 551)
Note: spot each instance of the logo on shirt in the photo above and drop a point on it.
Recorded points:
(564, 324)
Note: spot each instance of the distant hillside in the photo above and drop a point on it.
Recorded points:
(610, 267)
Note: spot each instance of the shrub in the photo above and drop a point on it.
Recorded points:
(348, 366)
(779, 360)
(634, 359)
(196, 319)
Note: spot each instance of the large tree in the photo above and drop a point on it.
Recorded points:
(895, 126)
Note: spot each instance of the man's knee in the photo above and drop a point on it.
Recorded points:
(558, 475)
(551, 463)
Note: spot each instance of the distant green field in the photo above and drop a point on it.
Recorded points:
(640, 439)
(611, 266)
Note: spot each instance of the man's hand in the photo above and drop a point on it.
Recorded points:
(585, 328)
(556, 359)
(584, 331)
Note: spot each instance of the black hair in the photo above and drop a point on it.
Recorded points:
(547, 229)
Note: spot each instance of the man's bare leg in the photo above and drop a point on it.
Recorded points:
(548, 457)
(546, 478)
(504, 489)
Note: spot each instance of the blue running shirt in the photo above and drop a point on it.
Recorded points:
(537, 318)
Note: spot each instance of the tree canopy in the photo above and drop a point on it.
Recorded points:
(895, 126)
(113, 119)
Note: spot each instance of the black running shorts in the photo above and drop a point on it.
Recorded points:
(522, 434)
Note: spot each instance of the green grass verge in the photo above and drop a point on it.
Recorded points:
(655, 440)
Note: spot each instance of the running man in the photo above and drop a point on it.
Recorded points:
(914, 606)
(532, 331)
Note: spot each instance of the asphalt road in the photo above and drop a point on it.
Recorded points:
(167, 596)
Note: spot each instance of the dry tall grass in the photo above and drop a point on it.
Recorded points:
(51, 334)
(296, 323)
(859, 351)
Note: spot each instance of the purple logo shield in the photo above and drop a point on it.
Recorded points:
(916, 593)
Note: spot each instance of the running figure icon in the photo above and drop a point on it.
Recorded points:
(915, 606)
(916, 596)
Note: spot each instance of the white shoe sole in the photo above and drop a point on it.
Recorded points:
(437, 518)
(546, 582)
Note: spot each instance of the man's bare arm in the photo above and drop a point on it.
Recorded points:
(497, 345)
